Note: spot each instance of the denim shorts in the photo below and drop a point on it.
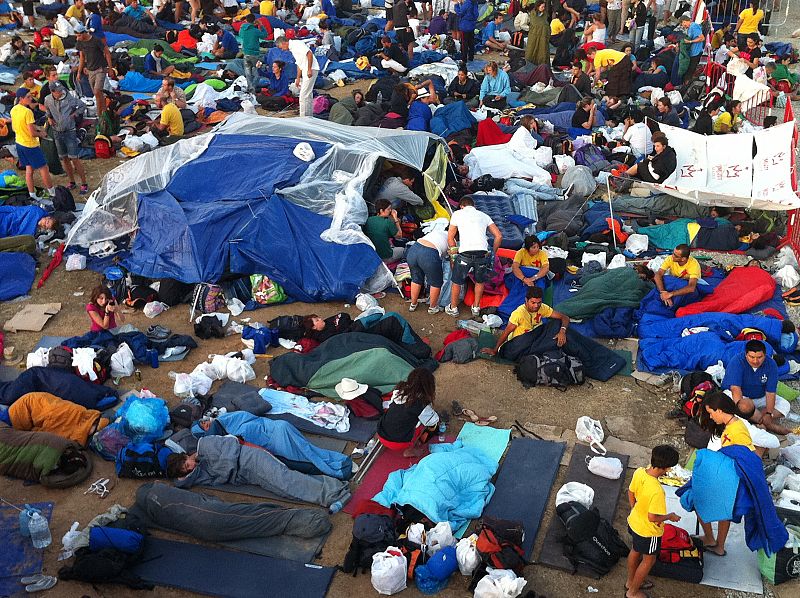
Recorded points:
(66, 144)
(425, 263)
(477, 262)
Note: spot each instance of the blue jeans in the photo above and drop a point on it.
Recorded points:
(251, 71)
(425, 263)
(538, 191)
(477, 262)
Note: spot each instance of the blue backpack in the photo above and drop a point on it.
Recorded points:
(590, 156)
(139, 460)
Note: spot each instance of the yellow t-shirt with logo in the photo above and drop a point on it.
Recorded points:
(556, 26)
(171, 117)
(607, 57)
(737, 433)
(526, 321)
(690, 270)
(21, 117)
(650, 498)
(523, 257)
(750, 20)
(57, 46)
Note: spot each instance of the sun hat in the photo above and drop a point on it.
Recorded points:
(348, 389)
(423, 93)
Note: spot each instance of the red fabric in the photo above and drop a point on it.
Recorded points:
(370, 507)
(487, 300)
(490, 134)
(307, 344)
(773, 313)
(454, 336)
(743, 289)
(185, 40)
(621, 235)
(595, 45)
(57, 259)
(361, 408)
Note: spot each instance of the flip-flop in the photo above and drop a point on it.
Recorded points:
(43, 584)
(469, 415)
(647, 585)
(708, 551)
(32, 579)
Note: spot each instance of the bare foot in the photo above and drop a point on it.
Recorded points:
(416, 451)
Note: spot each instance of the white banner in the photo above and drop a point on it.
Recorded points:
(730, 163)
(772, 166)
(690, 151)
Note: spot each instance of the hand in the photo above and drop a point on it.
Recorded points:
(489, 351)
(528, 281)
(309, 73)
(561, 338)
(673, 517)
(259, 64)
(111, 307)
(297, 82)
(394, 214)
(110, 71)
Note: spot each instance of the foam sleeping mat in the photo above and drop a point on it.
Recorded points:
(18, 558)
(606, 497)
(529, 470)
(229, 574)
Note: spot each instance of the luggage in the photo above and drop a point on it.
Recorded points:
(499, 546)
(63, 200)
(591, 157)
(208, 298)
(680, 557)
(552, 368)
(590, 540)
(784, 565)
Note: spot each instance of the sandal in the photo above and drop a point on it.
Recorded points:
(469, 415)
(646, 585)
(43, 584)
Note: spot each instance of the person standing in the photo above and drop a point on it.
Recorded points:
(64, 112)
(95, 63)
(405, 34)
(471, 254)
(252, 32)
(27, 135)
(696, 40)
(307, 71)
(467, 11)
(615, 23)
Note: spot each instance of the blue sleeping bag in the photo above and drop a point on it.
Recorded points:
(451, 119)
(60, 383)
(17, 272)
(724, 324)
(498, 207)
(133, 81)
(19, 220)
(419, 117)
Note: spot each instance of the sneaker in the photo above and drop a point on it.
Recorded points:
(412, 307)
(72, 186)
(476, 311)
(434, 310)
(451, 311)
(84, 189)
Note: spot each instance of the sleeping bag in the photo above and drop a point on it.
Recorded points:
(50, 460)
(44, 412)
(620, 287)
(740, 291)
(60, 383)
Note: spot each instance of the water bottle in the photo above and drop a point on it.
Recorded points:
(25, 519)
(40, 531)
(442, 430)
(336, 507)
(380, 97)
(152, 354)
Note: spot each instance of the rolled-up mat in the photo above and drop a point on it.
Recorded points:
(529, 470)
(606, 497)
(230, 574)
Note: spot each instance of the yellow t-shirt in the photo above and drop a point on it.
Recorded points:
(524, 258)
(607, 57)
(21, 117)
(750, 21)
(73, 12)
(690, 270)
(556, 26)
(650, 498)
(737, 433)
(526, 321)
(57, 46)
(266, 8)
(34, 89)
(171, 117)
(726, 118)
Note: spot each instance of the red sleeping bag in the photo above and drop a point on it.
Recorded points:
(490, 134)
(742, 290)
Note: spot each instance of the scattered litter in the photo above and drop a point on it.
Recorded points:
(592, 590)
(78, 294)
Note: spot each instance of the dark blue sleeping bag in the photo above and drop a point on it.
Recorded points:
(60, 383)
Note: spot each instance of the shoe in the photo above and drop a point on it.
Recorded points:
(84, 189)
(476, 311)
(158, 332)
(676, 413)
(451, 311)
(72, 186)
(434, 310)
(412, 307)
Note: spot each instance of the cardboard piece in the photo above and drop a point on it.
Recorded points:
(32, 317)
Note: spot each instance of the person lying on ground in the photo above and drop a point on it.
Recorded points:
(169, 90)
(224, 460)
(491, 33)
(411, 419)
(680, 265)
(24, 220)
(103, 310)
(533, 256)
(527, 317)
(321, 330)
(659, 165)
(463, 87)
(751, 380)
(169, 128)
(646, 520)
(381, 228)
(45, 412)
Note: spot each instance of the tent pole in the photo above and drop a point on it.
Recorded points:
(611, 211)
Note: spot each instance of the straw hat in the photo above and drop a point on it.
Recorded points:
(348, 389)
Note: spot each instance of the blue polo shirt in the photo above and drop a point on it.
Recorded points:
(137, 13)
(95, 23)
(229, 43)
(697, 47)
(754, 383)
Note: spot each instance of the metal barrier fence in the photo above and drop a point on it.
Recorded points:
(776, 13)
(755, 109)
(793, 225)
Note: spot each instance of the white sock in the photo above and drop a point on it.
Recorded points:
(51, 191)
(32, 194)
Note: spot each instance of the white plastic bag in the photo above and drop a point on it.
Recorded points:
(183, 385)
(240, 371)
(467, 555)
(365, 302)
(777, 479)
(122, 362)
(83, 359)
(76, 261)
(154, 308)
(219, 367)
(499, 583)
(590, 431)
(563, 162)
(789, 499)
(416, 533)
(389, 571)
(492, 320)
(786, 257)
(235, 306)
(39, 358)
(792, 482)
(577, 492)
(439, 536)
(792, 455)
(605, 467)
(637, 244)
(600, 258)
(543, 156)
(787, 277)
(618, 261)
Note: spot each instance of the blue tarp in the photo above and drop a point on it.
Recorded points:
(17, 271)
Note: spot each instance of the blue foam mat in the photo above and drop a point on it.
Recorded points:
(18, 558)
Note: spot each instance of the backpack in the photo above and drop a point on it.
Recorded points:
(449, 45)
(60, 357)
(266, 291)
(209, 327)
(102, 365)
(140, 295)
(551, 368)
(139, 460)
(590, 156)
(102, 147)
(208, 298)
(114, 280)
(590, 541)
(372, 534)
(674, 540)
(499, 546)
(693, 388)
(289, 327)
(63, 200)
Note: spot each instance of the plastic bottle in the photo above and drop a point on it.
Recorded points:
(152, 355)
(336, 507)
(380, 97)
(442, 430)
(40, 531)
(25, 519)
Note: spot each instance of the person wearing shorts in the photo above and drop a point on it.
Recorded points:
(405, 34)
(27, 135)
(471, 254)
(64, 112)
(95, 63)
(389, 6)
(30, 13)
(425, 262)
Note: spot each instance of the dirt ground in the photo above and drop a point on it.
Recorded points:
(484, 387)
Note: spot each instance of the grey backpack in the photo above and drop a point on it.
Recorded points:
(552, 368)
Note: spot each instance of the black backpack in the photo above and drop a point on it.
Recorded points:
(140, 295)
(139, 460)
(372, 534)
(551, 368)
(590, 540)
(60, 357)
(499, 545)
(63, 200)
(289, 327)
(209, 327)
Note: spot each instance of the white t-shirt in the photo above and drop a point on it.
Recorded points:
(614, 5)
(300, 51)
(472, 225)
(437, 238)
(640, 139)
